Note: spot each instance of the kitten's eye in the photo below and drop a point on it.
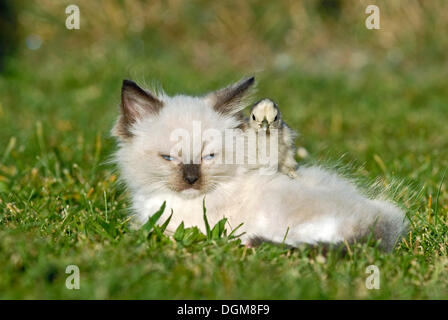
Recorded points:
(253, 117)
(276, 117)
(166, 157)
(209, 156)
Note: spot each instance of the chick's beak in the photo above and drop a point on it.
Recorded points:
(265, 124)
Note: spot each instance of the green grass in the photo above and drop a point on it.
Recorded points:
(60, 203)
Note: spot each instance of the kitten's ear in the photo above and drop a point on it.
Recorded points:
(135, 103)
(230, 100)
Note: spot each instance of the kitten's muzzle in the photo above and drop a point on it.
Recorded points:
(191, 173)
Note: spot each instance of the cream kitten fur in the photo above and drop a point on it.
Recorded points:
(319, 206)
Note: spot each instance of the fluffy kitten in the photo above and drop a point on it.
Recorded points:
(318, 207)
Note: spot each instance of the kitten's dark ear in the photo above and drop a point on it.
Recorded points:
(135, 103)
(230, 100)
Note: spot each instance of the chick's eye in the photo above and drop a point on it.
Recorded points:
(209, 156)
(167, 157)
(253, 117)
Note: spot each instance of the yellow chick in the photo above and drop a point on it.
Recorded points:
(265, 115)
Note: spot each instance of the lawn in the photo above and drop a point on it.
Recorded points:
(380, 118)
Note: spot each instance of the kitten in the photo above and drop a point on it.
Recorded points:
(265, 115)
(318, 207)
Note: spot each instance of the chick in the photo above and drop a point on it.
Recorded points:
(265, 115)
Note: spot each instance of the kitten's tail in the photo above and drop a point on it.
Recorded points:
(390, 225)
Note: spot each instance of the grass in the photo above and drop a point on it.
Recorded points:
(60, 203)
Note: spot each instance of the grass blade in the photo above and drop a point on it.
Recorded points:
(234, 230)
(437, 198)
(149, 225)
(165, 224)
(180, 232)
(207, 226)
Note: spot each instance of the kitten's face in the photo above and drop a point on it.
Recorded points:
(163, 157)
(174, 144)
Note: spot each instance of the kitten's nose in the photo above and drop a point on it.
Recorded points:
(191, 173)
(191, 179)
